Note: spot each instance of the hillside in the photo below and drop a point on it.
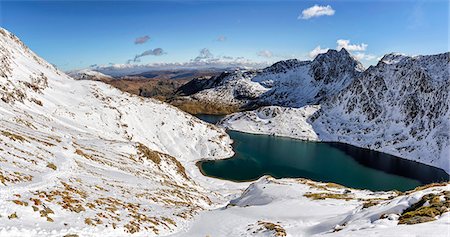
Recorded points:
(76, 154)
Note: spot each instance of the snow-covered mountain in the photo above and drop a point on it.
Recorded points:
(291, 83)
(80, 158)
(400, 106)
(88, 74)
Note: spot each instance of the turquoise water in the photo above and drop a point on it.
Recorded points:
(258, 155)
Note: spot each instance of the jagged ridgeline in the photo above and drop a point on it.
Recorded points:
(79, 153)
(399, 106)
(290, 83)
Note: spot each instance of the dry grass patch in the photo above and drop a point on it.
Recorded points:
(13, 216)
(51, 166)
(13, 136)
(277, 229)
(371, 203)
(334, 185)
(14, 177)
(420, 188)
(427, 209)
(152, 155)
(20, 203)
(204, 107)
(323, 196)
(180, 168)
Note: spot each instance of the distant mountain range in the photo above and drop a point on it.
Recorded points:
(175, 74)
(160, 84)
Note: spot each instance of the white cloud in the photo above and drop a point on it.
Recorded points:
(363, 56)
(356, 50)
(265, 53)
(316, 11)
(316, 51)
(341, 43)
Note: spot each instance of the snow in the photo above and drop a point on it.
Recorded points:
(88, 74)
(283, 202)
(275, 120)
(80, 157)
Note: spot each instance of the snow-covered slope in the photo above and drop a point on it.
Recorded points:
(88, 74)
(82, 156)
(275, 120)
(298, 207)
(400, 106)
(291, 83)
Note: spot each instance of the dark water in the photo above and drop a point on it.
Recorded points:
(258, 155)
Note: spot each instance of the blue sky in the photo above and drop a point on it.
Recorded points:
(79, 34)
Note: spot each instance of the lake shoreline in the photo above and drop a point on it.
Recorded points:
(385, 165)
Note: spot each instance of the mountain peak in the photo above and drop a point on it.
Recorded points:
(393, 58)
(343, 51)
(335, 65)
(334, 53)
(333, 56)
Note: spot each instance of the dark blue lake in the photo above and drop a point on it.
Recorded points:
(258, 155)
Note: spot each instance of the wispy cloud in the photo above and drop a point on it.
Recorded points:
(341, 43)
(417, 17)
(142, 39)
(221, 38)
(204, 54)
(154, 52)
(316, 51)
(265, 53)
(316, 11)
